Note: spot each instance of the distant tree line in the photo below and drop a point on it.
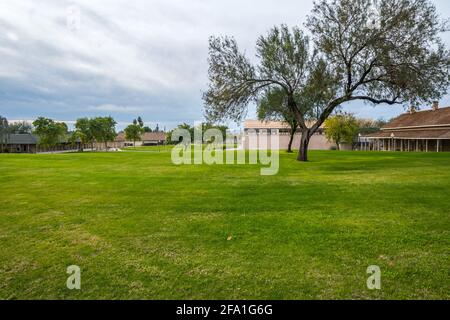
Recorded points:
(198, 131)
(87, 131)
(51, 133)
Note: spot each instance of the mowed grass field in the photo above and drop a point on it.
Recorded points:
(140, 227)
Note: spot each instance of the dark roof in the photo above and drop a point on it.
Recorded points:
(412, 134)
(24, 138)
(425, 118)
(30, 138)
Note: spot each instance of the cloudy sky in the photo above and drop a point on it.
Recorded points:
(67, 59)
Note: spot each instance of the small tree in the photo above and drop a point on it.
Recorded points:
(50, 132)
(133, 132)
(341, 128)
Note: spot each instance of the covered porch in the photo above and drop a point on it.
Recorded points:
(405, 145)
(435, 140)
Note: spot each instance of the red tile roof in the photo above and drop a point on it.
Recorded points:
(426, 118)
(148, 136)
(427, 124)
(153, 136)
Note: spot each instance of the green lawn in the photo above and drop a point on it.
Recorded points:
(141, 227)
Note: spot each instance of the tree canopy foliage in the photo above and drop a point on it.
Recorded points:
(133, 132)
(272, 106)
(103, 129)
(50, 132)
(341, 128)
(83, 131)
(198, 131)
(98, 129)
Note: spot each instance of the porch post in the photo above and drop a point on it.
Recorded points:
(437, 145)
(426, 145)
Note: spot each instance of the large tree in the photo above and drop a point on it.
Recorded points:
(103, 129)
(284, 64)
(84, 131)
(50, 132)
(386, 51)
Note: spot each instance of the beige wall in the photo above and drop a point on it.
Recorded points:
(317, 142)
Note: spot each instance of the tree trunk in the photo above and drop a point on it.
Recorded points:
(338, 146)
(304, 143)
(291, 139)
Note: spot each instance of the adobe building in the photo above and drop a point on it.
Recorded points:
(147, 139)
(262, 128)
(420, 131)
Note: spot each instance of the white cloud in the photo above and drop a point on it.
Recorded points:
(114, 108)
(12, 36)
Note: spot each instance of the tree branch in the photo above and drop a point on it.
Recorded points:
(378, 101)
